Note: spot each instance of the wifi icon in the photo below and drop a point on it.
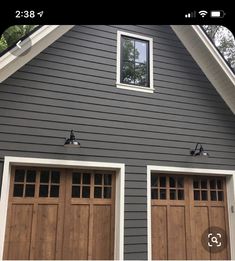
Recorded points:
(203, 13)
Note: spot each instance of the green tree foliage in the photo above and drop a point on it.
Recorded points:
(224, 41)
(132, 72)
(12, 34)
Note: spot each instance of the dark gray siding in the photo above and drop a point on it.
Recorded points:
(1, 172)
(71, 85)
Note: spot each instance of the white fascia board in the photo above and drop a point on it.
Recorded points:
(40, 39)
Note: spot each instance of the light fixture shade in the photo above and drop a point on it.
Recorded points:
(199, 151)
(71, 142)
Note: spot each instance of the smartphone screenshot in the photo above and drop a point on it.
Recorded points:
(117, 137)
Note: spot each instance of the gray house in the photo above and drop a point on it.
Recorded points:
(148, 171)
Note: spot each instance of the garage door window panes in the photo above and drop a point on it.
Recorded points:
(49, 183)
(95, 185)
(81, 185)
(24, 183)
(208, 189)
(167, 187)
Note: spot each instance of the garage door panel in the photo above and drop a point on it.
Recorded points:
(60, 214)
(199, 223)
(177, 233)
(159, 232)
(75, 245)
(46, 232)
(101, 236)
(18, 243)
(218, 219)
(183, 208)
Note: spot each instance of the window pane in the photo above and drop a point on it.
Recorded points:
(85, 192)
(29, 190)
(19, 175)
(172, 182)
(195, 184)
(162, 181)
(18, 190)
(219, 184)
(86, 178)
(204, 183)
(75, 192)
(162, 194)
(141, 74)
(196, 195)
(212, 183)
(128, 73)
(172, 194)
(107, 179)
(128, 49)
(98, 192)
(31, 176)
(107, 192)
(54, 193)
(44, 177)
(98, 179)
(180, 194)
(43, 191)
(154, 179)
(204, 194)
(55, 177)
(76, 178)
(213, 196)
(154, 194)
(220, 195)
(141, 51)
(180, 182)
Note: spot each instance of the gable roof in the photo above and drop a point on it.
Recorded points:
(12, 61)
(192, 36)
(209, 60)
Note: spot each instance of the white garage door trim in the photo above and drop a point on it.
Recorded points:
(230, 184)
(39, 162)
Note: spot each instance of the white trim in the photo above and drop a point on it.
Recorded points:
(40, 39)
(214, 52)
(149, 89)
(230, 182)
(119, 197)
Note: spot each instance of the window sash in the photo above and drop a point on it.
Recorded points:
(134, 62)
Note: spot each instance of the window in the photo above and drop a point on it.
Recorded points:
(134, 62)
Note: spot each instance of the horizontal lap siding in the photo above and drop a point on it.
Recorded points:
(71, 85)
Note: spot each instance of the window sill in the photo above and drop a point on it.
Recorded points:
(135, 88)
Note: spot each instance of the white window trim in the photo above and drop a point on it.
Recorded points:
(149, 89)
(230, 184)
(119, 197)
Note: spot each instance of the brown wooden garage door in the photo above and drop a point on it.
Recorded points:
(183, 207)
(60, 214)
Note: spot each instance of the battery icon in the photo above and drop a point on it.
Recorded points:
(217, 14)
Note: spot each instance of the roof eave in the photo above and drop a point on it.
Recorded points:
(40, 39)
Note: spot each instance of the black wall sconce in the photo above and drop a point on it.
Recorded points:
(72, 142)
(199, 151)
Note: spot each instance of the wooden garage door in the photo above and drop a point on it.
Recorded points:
(183, 207)
(60, 214)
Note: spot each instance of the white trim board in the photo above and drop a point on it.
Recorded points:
(149, 89)
(230, 184)
(119, 197)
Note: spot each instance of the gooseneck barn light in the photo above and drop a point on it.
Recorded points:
(199, 151)
(72, 142)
